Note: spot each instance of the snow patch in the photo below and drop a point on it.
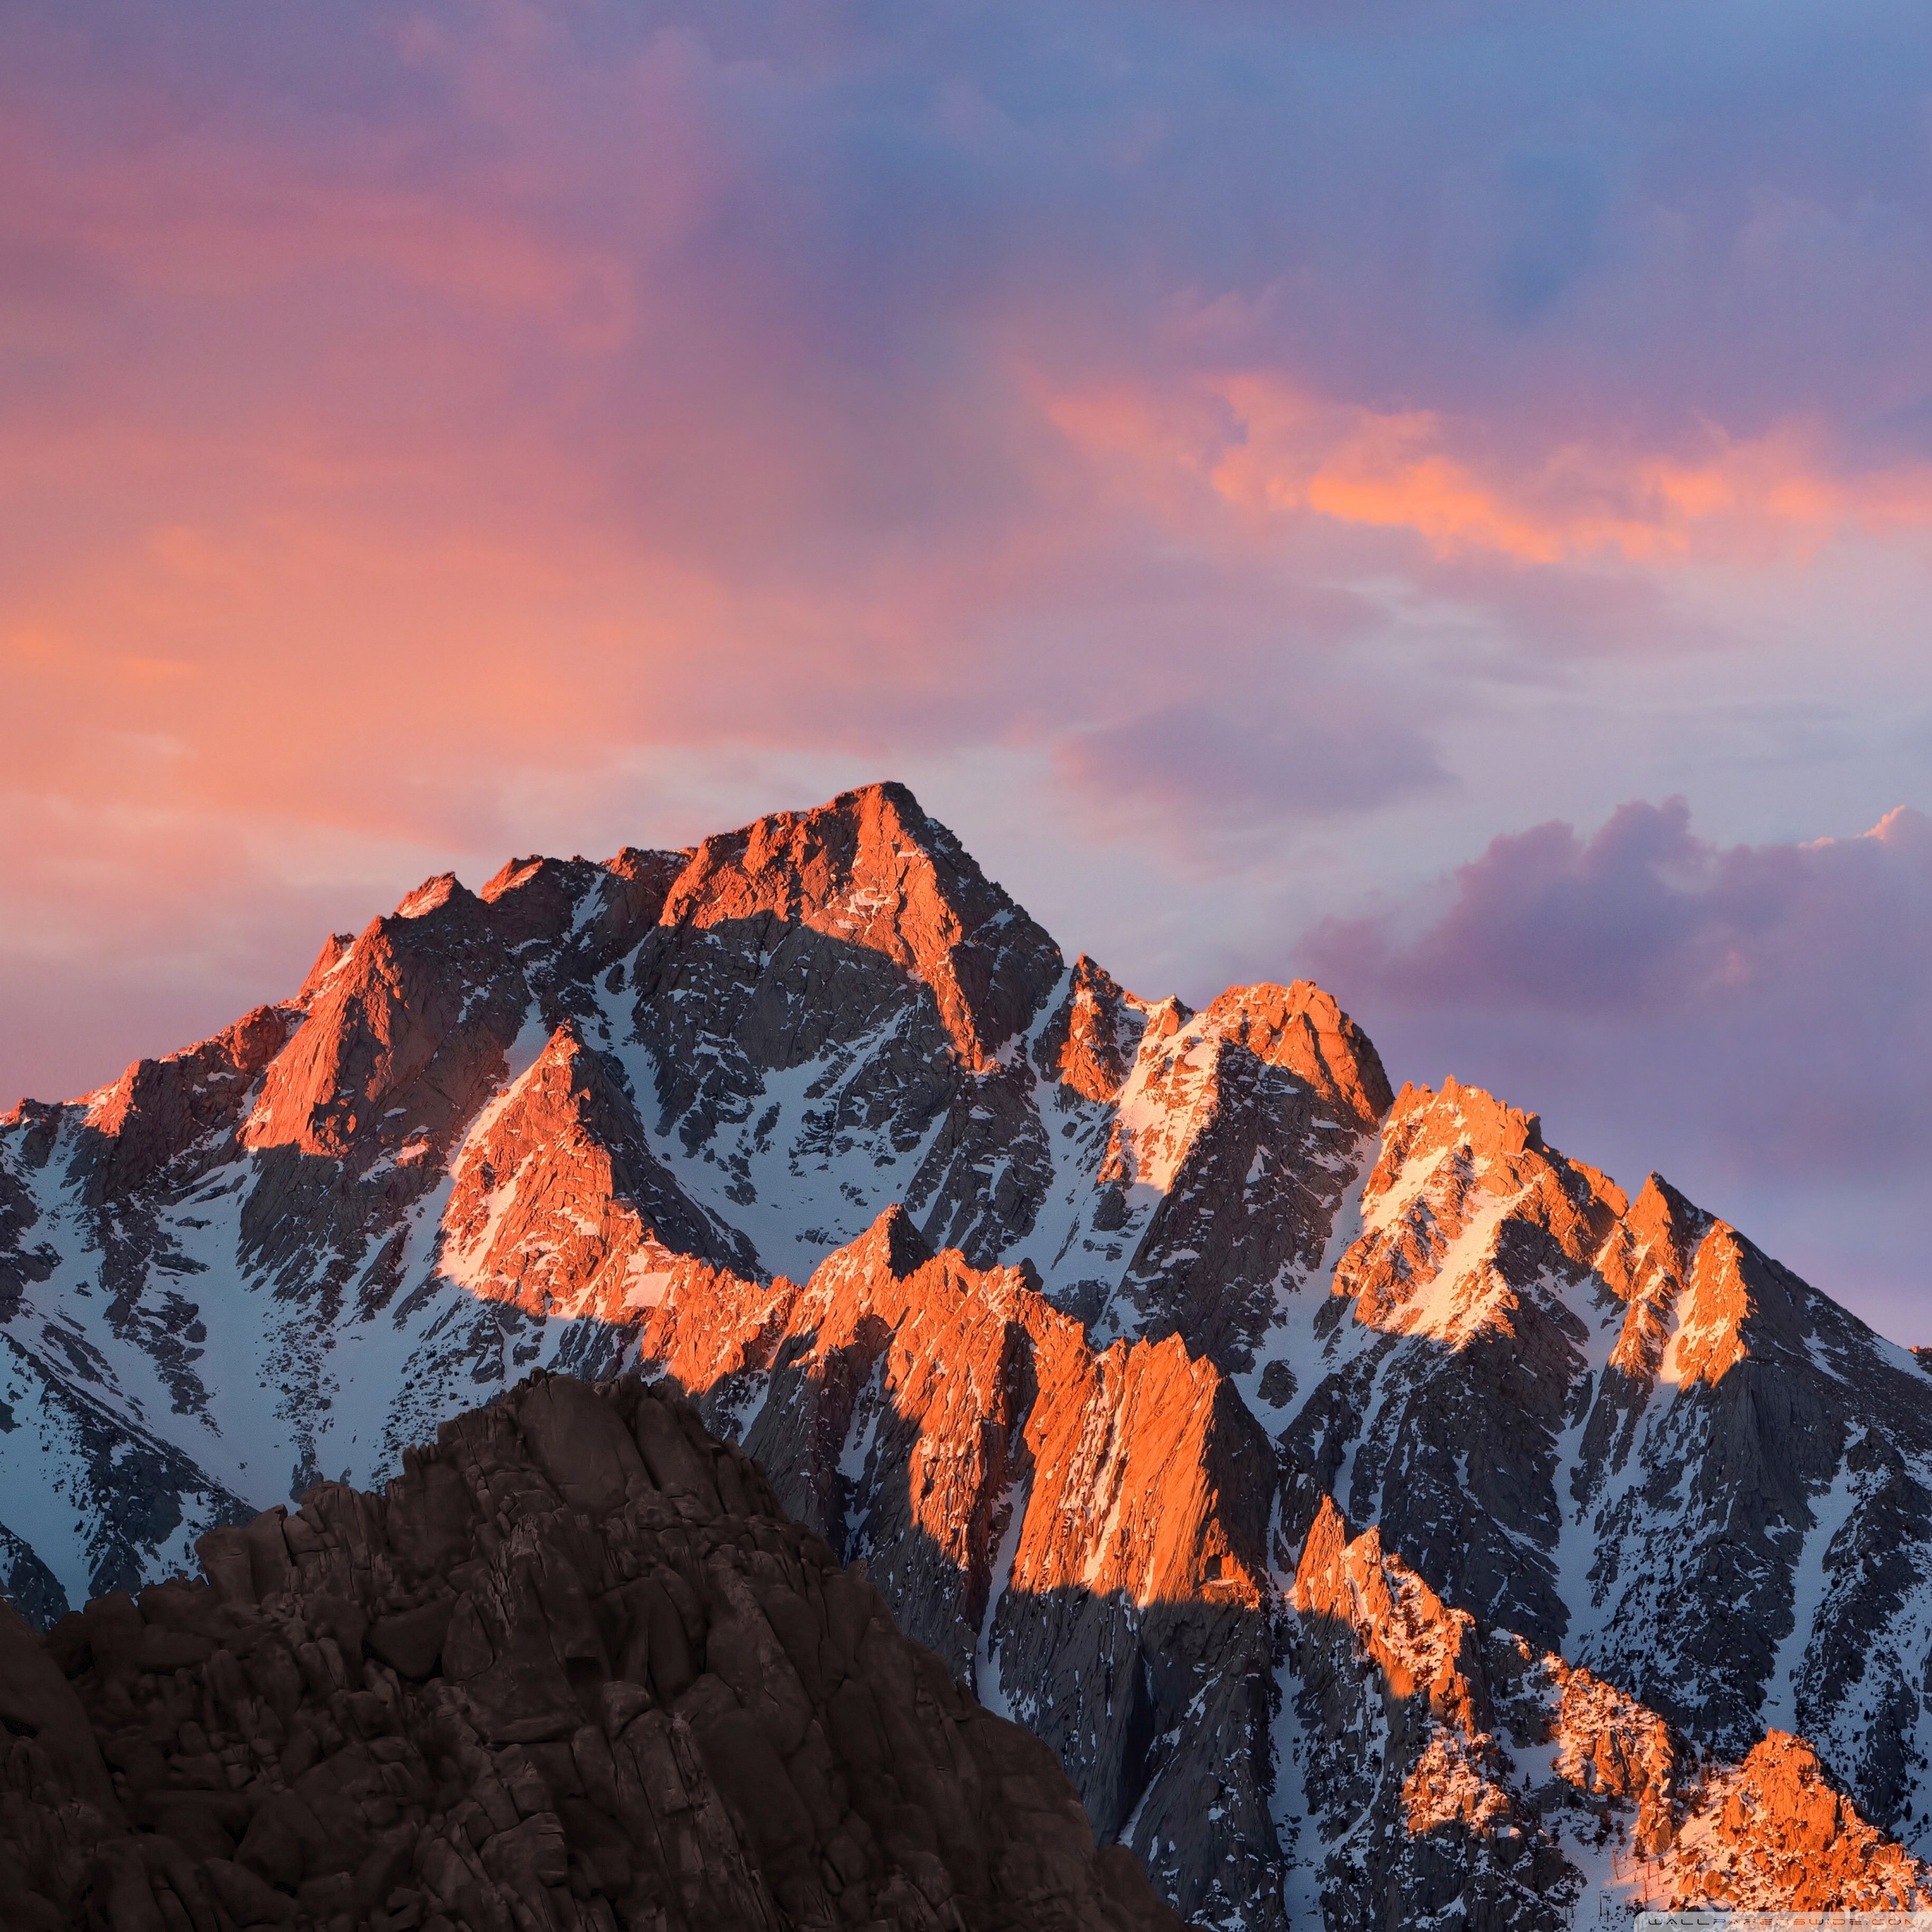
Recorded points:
(987, 1685)
(1830, 1510)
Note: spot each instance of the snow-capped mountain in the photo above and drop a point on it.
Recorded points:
(1086, 1321)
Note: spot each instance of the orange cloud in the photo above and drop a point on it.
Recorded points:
(1263, 447)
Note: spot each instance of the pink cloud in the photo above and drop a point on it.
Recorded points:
(1269, 449)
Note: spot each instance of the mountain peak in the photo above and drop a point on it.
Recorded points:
(396, 1038)
(1396, 1619)
(871, 868)
(1777, 1832)
(513, 871)
(1659, 1212)
(1301, 1028)
(894, 1243)
(556, 1203)
(1715, 1311)
(537, 898)
(432, 896)
(335, 949)
(594, 1112)
(159, 1108)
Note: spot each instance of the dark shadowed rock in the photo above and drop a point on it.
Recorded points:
(575, 1670)
(1080, 1533)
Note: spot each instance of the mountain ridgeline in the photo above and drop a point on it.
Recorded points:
(1380, 1513)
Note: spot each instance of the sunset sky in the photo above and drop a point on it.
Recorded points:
(1438, 497)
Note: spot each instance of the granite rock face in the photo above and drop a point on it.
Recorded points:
(477, 1137)
(1618, 1428)
(1108, 1308)
(1775, 1832)
(1452, 1771)
(1081, 1533)
(575, 1668)
(1398, 1754)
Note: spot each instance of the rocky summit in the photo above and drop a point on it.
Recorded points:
(1382, 1516)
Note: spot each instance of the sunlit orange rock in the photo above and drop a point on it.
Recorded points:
(1079, 1316)
(159, 1109)
(1302, 1030)
(1775, 1833)
(1403, 1756)
(1422, 1647)
(558, 1203)
(1453, 1167)
(1091, 1039)
(1433, 1741)
(392, 1043)
(869, 868)
(1078, 1531)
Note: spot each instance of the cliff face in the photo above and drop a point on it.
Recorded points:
(575, 1669)
(1443, 1768)
(1078, 1316)
(1081, 1533)
(1620, 1429)
(484, 1127)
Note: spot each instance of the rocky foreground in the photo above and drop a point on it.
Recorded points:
(575, 1670)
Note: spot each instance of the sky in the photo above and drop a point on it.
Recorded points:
(1436, 496)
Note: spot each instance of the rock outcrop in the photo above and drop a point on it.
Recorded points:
(1774, 1833)
(1448, 1771)
(557, 1204)
(1408, 1806)
(1620, 1429)
(474, 1141)
(575, 1669)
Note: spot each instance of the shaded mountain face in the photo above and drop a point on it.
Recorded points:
(574, 1669)
(1077, 1316)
